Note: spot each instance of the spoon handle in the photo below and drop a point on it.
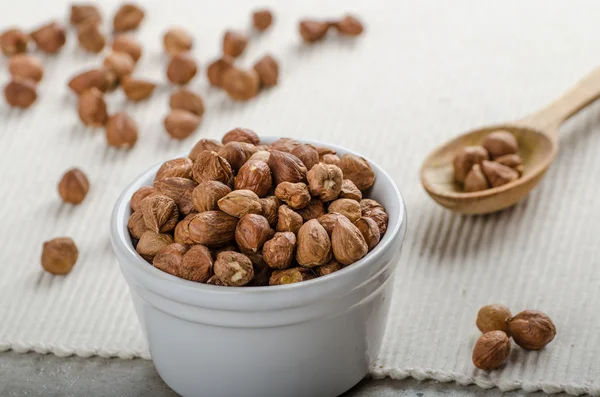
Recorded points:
(548, 119)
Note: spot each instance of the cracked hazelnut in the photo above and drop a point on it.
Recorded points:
(513, 161)
(84, 12)
(278, 252)
(206, 195)
(137, 89)
(476, 180)
(370, 231)
(325, 181)
(349, 26)
(262, 19)
(251, 232)
(241, 85)
(216, 70)
(160, 213)
(347, 207)
(500, 143)
(241, 135)
(328, 221)
(314, 245)
(180, 167)
(240, 202)
(358, 170)
(254, 175)
(180, 124)
(350, 191)
(288, 220)
(177, 40)
(329, 158)
(49, 38)
(128, 17)
(92, 108)
(121, 131)
(139, 195)
(493, 318)
(73, 186)
(268, 71)
(233, 269)
(237, 153)
(313, 210)
(295, 195)
(212, 228)
(129, 45)
(312, 31)
(347, 242)
(234, 43)
(204, 144)
(531, 329)
(20, 92)
(90, 37)
(491, 350)
(286, 167)
(13, 41)
(498, 174)
(290, 276)
(181, 69)
(209, 166)
(151, 243)
(285, 144)
(26, 66)
(136, 225)
(101, 79)
(466, 158)
(307, 154)
(119, 62)
(331, 267)
(185, 99)
(59, 255)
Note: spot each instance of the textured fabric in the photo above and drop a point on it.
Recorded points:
(423, 72)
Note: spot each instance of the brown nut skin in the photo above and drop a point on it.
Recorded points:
(137, 89)
(129, 45)
(349, 26)
(513, 161)
(102, 79)
(185, 99)
(92, 108)
(367, 205)
(194, 264)
(312, 31)
(498, 174)
(136, 225)
(121, 131)
(20, 92)
(330, 158)
(207, 194)
(84, 12)
(119, 62)
(217, 69)
(240, 202)
(181, 69)
(26, 66)
(491, 350)
(347, 207)
(466, 158)
(254, 175)
(331, 267)
(286, 167)
(288, 220)
(270, 209)
(241, 85)
(178, 189)
(180, 124)
(278, 252)
(284, 145)
(59, 255)
(313, 210)
(139, 195)
(233, 269)
(177, 40)
(372, 209)
(73, 186)
(500, 143)
(241, 135)
(261, 155)
(314, 245)
(531, 329)
(234, 43)
(350, 191)
(209, 166)
(214, 280)
(181, 234)
(204, 144)
(295, 195)
(212, 228)
(347, 242)
(13, 41)
(251, 232)
(328, 221)
(90, 37)
(370, 231)
(49, 38)
(160, 213)
(128, 17)
(262, 19)
(237, 153)
(475, 180)
(151, 243)
(290, 276)
(358, 170)
(169, 258)
(268, 71)
(180, 167)
(325, 181)
(307, 154)
(493, 318)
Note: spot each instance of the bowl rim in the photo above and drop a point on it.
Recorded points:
(128, 257)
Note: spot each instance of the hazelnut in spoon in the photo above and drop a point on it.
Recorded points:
(537, 138)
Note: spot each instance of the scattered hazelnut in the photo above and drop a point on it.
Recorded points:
(307, 154)
(181, 69)
(177, 40)
(510, 160)
(531, 329)
(286, 167)
(20, 92)
(358, 170)
(285, 144)
(84, 12)
(119, 62)
(101, 79)
(491, 350)
(240, 202)
(268, 71)
(288, 220)
(136, 225)
(209, 166)
(331, 267)
(241, 135)
(347, 207)
(180, 167)
(350, 191)
(121, 131)
(212, 228)
(233, 269)
(330, 158)
(347, 242)
(185, 99)
(129, 45)
(127, 17)
(254, 175)
(90, 37)
(328, 221)
(216, 70)
(262, 19)
(278, 252)
(204, 144)
(493, 318)
(370, 231)
(237, 153)
(314, 245)
(59, 255)
(349, 26)
(92, 108)
(234, 43)
(290, 276)
(475, 180)
(498, 174)
(251, 232)
(239, 84)
(26, 66)
(137, 89)
(466, 158)
(139, 195)
(295, 195)
(500, 143)
(180, 124)
(73, 186)
(13, 41)
(151, 243)
(312, 31)
(160, 213)
(325, 181)
(313, 210)
(49, 38)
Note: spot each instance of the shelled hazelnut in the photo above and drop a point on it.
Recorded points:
(127, 44)
(26, 66)
(84, 12)
(49, 38)
(137, 89)
(20, 92)
(128, 17)
(262, 19)
(177, 40)
(181, 69)
(234, 43)
(59, 255)
(73, 186)
(13, 41)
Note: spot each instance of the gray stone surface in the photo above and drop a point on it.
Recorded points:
(34, 374)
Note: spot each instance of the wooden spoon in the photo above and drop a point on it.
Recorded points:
(537, 136)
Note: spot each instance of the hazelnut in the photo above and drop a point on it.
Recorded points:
(177, 40)
(349, 26)
(233, 269)
(101, 79)
(214, 280)
(314, 245)
(307, 154)
(466, 158)
(151, 243)
(278, 252)
(92, 108)
(251, 232)
(491, 350)
(347, 207)
(216, 70)
(270, 209)
(234, 43)
(119, 62)
(237, 153)
(139, 195)
(49, 38)
(181, 69)
(295, 195)
(180, 167)
(331, 267)
(73, 186)
(328, 221)
(84, 12)
(380, 217)
(498, 174)
(240, 202)
(241, 85)
(177, 189)
(288, 220)
(313, 210)
(136, 225)
(180, 124)
(268, 71)
(26, 66)
(212, 228)
(312, 31)
(370, 231)
(185, 203)
(476, 180)
(169, 258)
(181, 234)
(59, 255)
(290, 276)
(286, 167)
(206, 195)
(204, 144)
(137, 89)
(185, 99)
(350, 191)
(330, 158)
(368, 205)
(90, 37)
(323, 150)
(347, 242)
(285, 144)
(13, 41)
(254, 175)
(129, 45)
(262, 272)
(20, 92)
(493, 318)
(261, 155)
(262, 19)
(121, 131)
(241, 135)
(325, 181)
(500, 143)
(160, 213)
(358, 170)
(531, 329)
(510, 160)
(127, 17)
(194, 264)
(209, 166)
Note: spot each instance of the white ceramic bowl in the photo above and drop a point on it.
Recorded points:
(315, 338)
